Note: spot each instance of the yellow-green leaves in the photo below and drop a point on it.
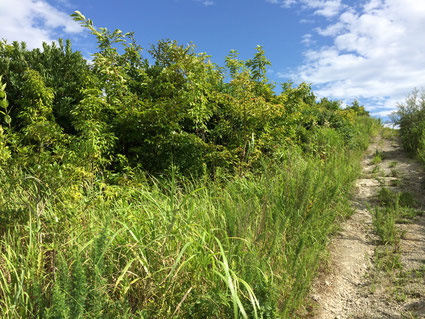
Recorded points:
(4, 150)
(4, 103)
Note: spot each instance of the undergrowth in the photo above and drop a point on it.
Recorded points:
(178, 247)
(394, 208)
(132, 189)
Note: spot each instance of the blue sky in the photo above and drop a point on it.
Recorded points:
(371, 50)
(215, 29)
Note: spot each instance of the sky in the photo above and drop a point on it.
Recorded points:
(369, 50)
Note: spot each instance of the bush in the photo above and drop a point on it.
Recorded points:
(410, 116)
(179, 110)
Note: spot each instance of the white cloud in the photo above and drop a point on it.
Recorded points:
(34, 21)
(306, 20)
(286, 3)
(327, 8)
(307, 39)
(382, 113)
(377, 52)
(206, 3)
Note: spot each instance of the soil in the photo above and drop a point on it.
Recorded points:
(353, 284)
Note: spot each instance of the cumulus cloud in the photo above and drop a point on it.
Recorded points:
(34, 21)
(377, 53)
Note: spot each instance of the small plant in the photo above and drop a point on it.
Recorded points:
(420, 273)
(387, 258)
(410, 315)
(387, 197)
(406, 214)
(377, 158)
(393, 164)
(394, 172)
(406, 199)
(376, 169)
(395, 183)
(384, 221)
(400, 295)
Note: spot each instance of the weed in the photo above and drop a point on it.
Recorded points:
(188, 247)
(394, 172)
(410, 315)
(376, 169)
(406, 199)
(393, 164)
(395, 183)
(377, 158)
(399, 294)
(406, 214)
(384, 221)
(387, 259)
(389, 133)
(390, 198)
(387, 197)
(420, 273)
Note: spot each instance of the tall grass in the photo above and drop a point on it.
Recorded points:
(243, 247)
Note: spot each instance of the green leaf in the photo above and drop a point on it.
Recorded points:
(4, 104)
(78, 14)
(7, 119)
(2, 94)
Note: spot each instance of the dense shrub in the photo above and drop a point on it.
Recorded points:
(410, 117)
(125, 112)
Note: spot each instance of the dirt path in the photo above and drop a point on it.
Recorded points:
(355, 284)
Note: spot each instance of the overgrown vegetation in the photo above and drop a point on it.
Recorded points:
(159, 189)
(394, 208)
(410, 116)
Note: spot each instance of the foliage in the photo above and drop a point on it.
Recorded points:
(180, 109)
(4, 107)
(62, 70)
(410, 117)
(165, 186)
(359, 109)
(176, 246)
